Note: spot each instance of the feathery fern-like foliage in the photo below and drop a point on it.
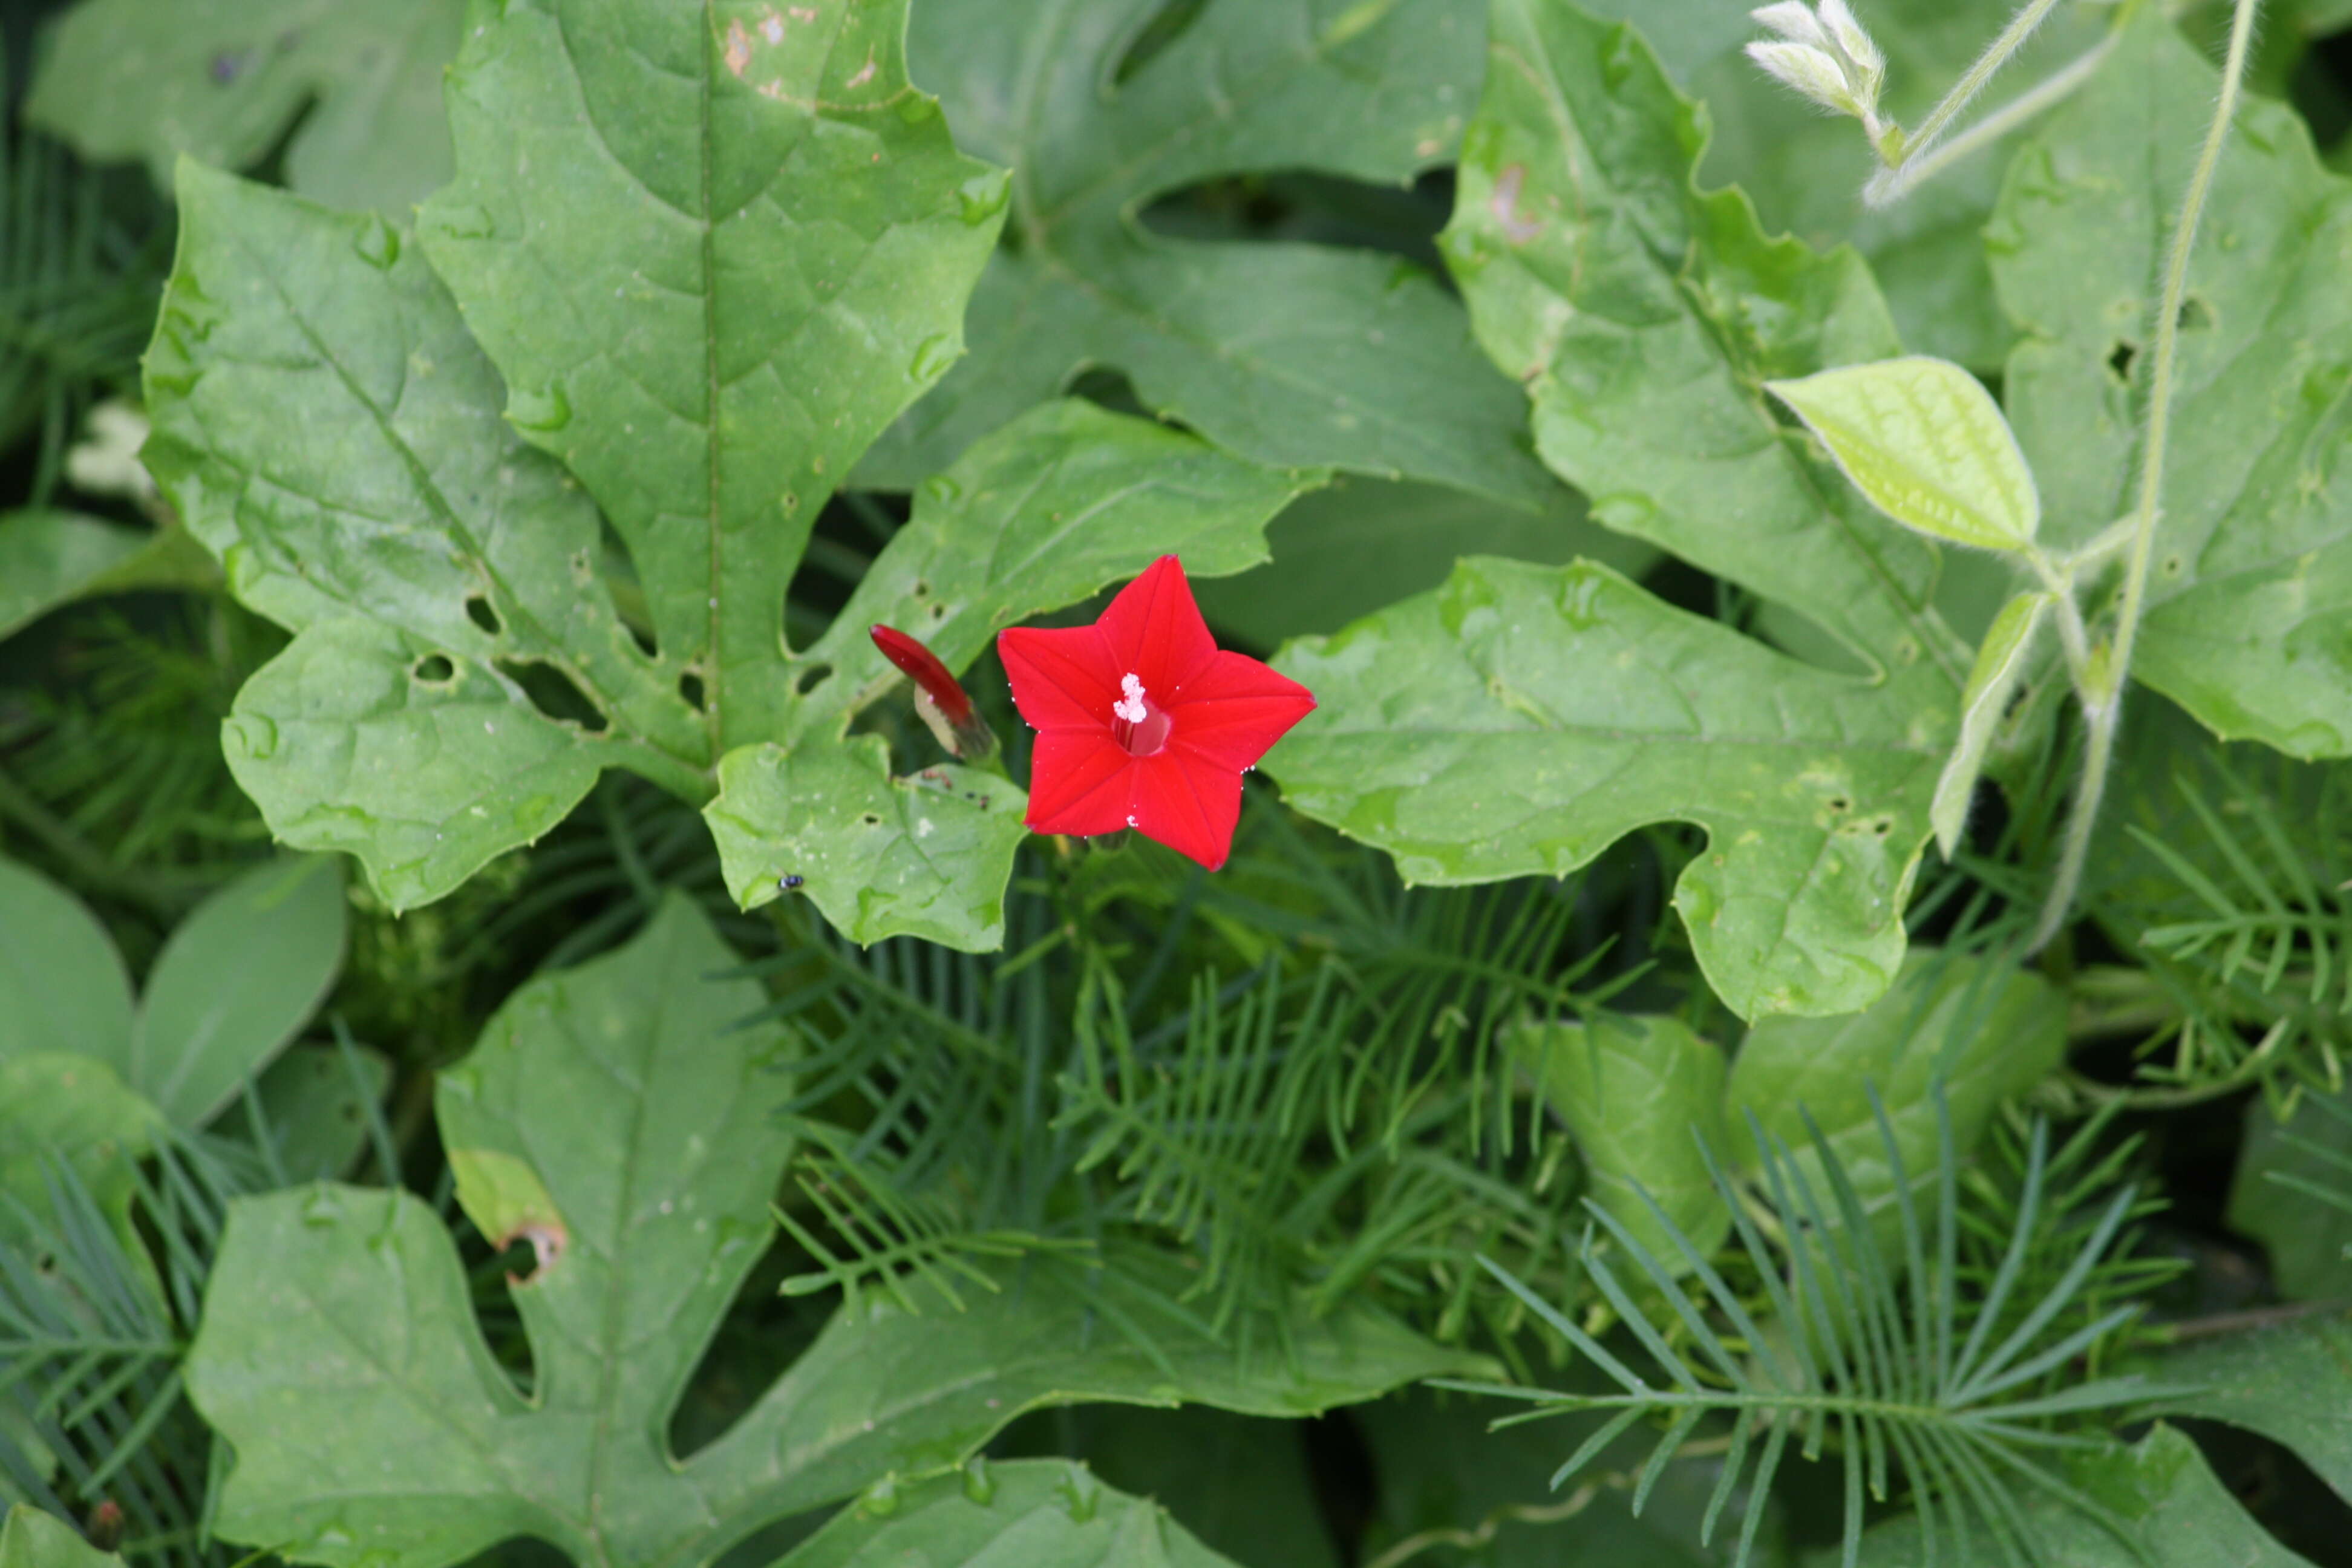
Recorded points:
(1924, 1373)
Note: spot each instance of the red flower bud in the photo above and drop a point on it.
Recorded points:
(959, 728)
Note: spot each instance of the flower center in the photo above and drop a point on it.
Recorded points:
(1136, 722)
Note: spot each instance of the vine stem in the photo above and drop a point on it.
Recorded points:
(2102, 692)
(2022, 27)
(1923, 158)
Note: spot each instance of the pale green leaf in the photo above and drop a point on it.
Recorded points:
(621, 1120)
(1039, 1514)
(30, 1539)
(1925, 442)
(2251, 579)
(1639, 1095)
(223, 80)
(63, 986)
(2272, 1197)
(2293, 1383)
(2173, 1512)
(50, 558)
(926, 854)
(1523, 719)
(1971, 1030)
(1363, 544)
(2001, 663)
(713, 251)
(1289, 354)
(1520, 722)
(234, 982)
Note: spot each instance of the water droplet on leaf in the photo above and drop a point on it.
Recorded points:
(931, 360)
(378, 243)
(983, 196)
(547, 409)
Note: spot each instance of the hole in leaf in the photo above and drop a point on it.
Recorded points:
(689, 687)
(1322, 209)
(2173, 566)
(1107, 389)
(1840, 804)
(1150, 40)
(806, 681)
(2196, 315)
(869, 819)
(623, 586)
(478, 611)
(434, 669)
(2120, 360)
(554, 693)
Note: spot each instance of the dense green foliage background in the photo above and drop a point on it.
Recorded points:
(512, 1041)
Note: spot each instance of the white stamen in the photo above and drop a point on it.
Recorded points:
(1130, 707)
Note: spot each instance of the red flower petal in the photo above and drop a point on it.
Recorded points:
(1155, 630)
(1189, 805)
(1063, 679)
(1232, 713)
(1080, 782)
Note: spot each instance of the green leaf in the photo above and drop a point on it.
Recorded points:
(1925, 442)
(2251, 577)
(222, 81)
(63, 988)
(1363, 544)
(1063, 501)
(1805, 171)
(314, 1103)
(51, 558)
(927, 855)
(1289, 354)
(1978, 1030)
(2293, 1383)
(325, 425)
(234, 982)
(1440, 1467)
(2283, 1169)
(1521, 719)
(620, 1119)
(76, 1109)
(1241, 1484)
(713, 251)
(352, 739)
(2173, 1512)
(30, 1539)
(1040, 1513)
(1639, 1094)
(2001, 661)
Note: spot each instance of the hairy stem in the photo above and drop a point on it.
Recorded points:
(2022, 27)
(1922, 162)
(2103, 695)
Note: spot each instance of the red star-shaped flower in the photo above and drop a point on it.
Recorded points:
(1142, 721)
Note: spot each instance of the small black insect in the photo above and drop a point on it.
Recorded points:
(788, 883)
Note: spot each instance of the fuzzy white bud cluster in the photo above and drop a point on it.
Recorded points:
(1826, 55)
